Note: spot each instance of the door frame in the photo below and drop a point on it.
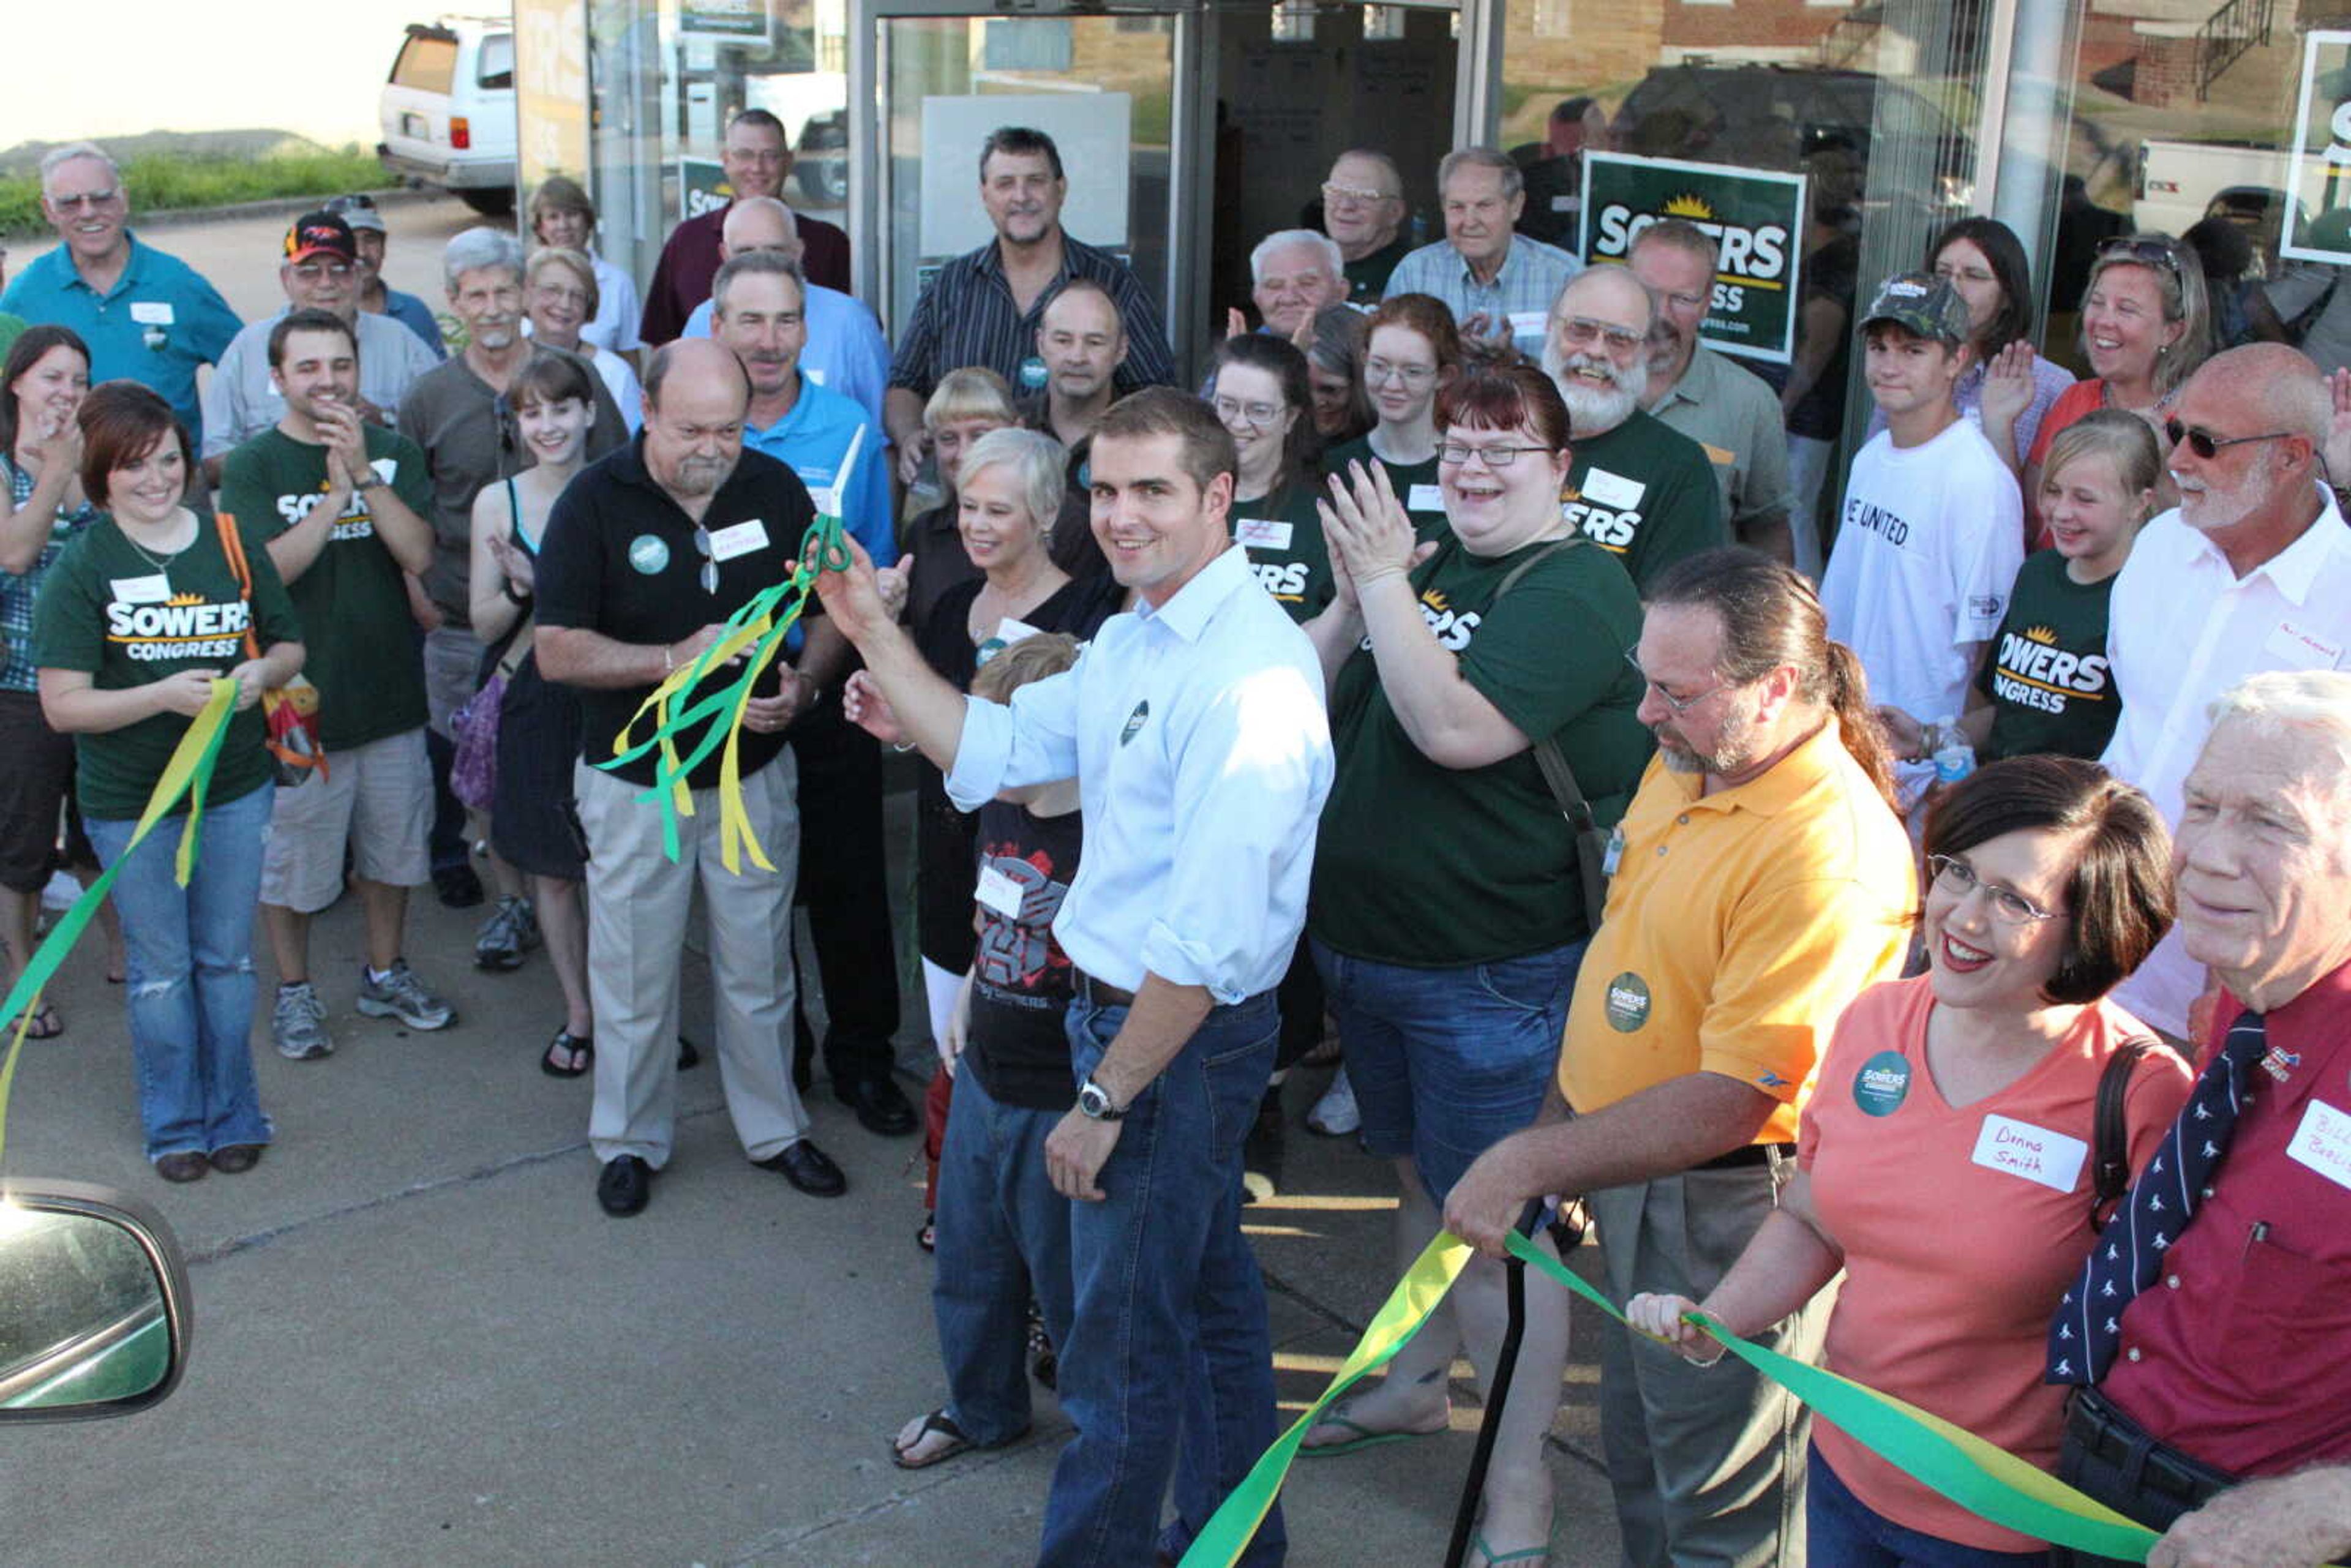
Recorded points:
(1191, 183)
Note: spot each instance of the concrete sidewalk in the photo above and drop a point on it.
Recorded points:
(419, 1341)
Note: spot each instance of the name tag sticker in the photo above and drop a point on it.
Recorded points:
(998, 893)
(1264, 532)
(1010, 631)
(151, 312)
(155, 590)
(2323, 1143)
(1612, 489)
(740, 539)
(2036, 1153)
(1424, 498)
(386, 469)
(1530, 323)
(2301, 650)
(813, 374)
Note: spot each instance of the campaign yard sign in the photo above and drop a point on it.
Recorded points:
(1755, 216)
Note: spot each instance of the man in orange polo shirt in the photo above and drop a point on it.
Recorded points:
(1759, 881)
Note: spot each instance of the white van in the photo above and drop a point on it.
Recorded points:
(448, 110)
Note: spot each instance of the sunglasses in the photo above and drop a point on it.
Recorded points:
(2152, 252)
(2206, 445)
(709, 559)
(360, 203)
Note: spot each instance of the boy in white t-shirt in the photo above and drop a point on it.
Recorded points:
(1932, 530)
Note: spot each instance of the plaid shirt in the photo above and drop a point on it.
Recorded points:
(1530, 278)
(968, 317)
(17, 593)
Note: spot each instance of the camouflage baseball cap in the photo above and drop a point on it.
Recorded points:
(1921, 303)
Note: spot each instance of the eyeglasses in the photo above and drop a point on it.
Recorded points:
(1584, 329)
(1680, 705)
(2007, 905)
(88, 202)
(1499, 459)
(313, 271)
(2152, 252)
(1378, 370)
(1255, 413)
(560, 294)
(2206, 445)
(1356, 195)
(709, 559)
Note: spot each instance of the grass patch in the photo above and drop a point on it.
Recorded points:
(157, 184)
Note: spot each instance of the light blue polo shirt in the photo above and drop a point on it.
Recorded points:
(846, 352)
(159, 322)
(811, 440)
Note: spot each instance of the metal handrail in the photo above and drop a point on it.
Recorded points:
(2226, 35)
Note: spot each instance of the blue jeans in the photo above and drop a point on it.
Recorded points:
(189, 953)
(1003, 1232)
(1448, 1063)
(1169, 1365)
(1842, 1529)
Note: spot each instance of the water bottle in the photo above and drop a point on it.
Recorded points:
(1954, 758)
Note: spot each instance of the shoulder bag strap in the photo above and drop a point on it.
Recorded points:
(1558, 777)
(2110, 1133)
(232, 547)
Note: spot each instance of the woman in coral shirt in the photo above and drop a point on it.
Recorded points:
(1946, 1156)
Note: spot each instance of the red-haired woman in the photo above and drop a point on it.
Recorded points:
(1446, 915)
(137, 618)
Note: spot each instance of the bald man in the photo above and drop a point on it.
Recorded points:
(1638, 488)
(2252, 571)
(646, 554)
(846, 352)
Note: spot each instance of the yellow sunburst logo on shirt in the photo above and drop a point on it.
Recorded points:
(1689, 205)
(2042, 636)
(185, 598)
(1434, 599)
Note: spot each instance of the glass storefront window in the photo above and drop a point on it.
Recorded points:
(659, 82)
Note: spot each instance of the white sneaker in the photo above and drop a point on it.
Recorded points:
(61, 892)
(1335, 1114)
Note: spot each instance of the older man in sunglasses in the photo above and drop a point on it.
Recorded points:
(2252, 571)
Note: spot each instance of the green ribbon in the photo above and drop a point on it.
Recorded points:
(1981, 1477)
(189, 772)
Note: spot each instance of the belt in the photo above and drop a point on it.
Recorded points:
(1751, 1155)
(2113, 1438)
(1096, 993)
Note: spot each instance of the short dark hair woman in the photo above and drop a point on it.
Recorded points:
(1946, 1157)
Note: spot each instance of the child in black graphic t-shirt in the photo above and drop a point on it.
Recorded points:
(1002, 1232)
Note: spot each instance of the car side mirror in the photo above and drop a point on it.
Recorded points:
(94, 1305)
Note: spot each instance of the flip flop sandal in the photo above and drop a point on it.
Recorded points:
(45, 1024)
(579, 1050)
(936, 1424)
(1368, 1439)
(1491, 1557)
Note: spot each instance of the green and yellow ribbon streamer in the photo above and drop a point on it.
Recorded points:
(755, 633)
(1981, 1477)
(1221, 1542)
(189, 772)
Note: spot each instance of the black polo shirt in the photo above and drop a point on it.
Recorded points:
(619, 559)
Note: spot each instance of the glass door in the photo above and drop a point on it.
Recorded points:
(1103, 86)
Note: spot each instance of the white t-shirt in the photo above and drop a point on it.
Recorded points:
(615, 326)
(2184, 628)
(1927, 550)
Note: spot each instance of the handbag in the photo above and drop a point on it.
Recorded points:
(289, 714)
(1591, 842)
(474, 769)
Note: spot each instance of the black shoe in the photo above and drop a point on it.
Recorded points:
(688, 1057)
(1262, 1150)
(459, 886)
(624, 1186)
(235, 1159)
(185, 1166)
(881, 1105)
(807, 1168)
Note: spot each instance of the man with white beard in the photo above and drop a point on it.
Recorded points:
(1636, 487)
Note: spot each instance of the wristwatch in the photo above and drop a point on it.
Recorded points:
(1094, 1100)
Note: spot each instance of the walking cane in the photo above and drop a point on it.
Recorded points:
(1514, 1288)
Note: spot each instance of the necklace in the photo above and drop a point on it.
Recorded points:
(164, 564)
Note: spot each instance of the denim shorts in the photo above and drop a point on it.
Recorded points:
(1842, 1529)
(1446, 1063)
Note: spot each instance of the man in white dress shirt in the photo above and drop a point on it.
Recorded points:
(2250, 572)
(1194, 726)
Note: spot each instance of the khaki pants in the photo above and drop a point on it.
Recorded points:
(1707, 1463)
(637, 903)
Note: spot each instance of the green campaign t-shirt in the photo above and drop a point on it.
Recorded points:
(2047, 677)
(360, 640)
(1646, 492)
(1435, 867)
(1283, 535)
(1415, 483)
(107, 611)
